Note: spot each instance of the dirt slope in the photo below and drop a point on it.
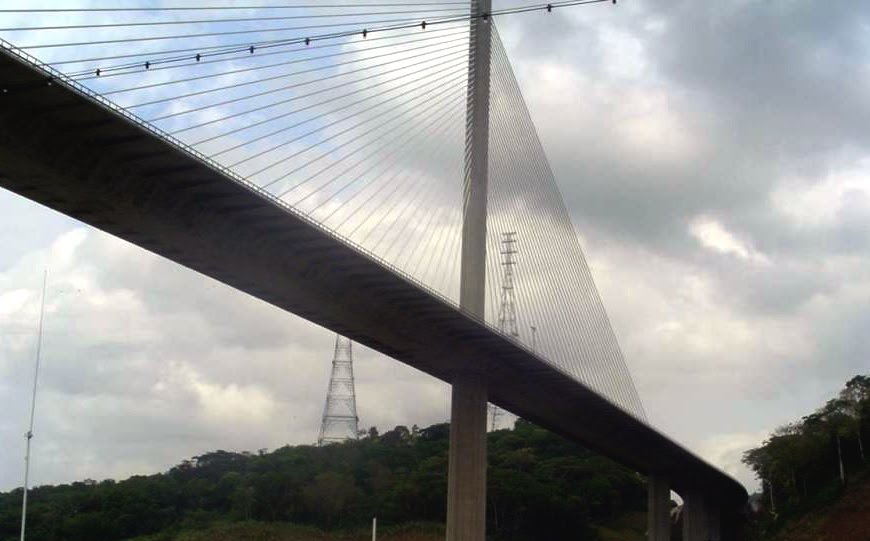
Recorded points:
(847, 519)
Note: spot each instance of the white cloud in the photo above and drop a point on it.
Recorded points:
(722, 195)
(713, 236)
(13, 301)
(726, 452)
(146, 363)
(822, 201)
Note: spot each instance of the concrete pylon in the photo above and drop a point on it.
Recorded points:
(701, 518)
(466, 478)
(713, 513)
(658, 509)
(693, 516)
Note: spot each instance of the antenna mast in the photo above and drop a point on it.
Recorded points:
(29, 435)
(340, 421)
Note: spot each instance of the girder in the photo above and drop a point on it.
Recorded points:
(69, 152)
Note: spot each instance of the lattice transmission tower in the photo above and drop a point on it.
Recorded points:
(507, 310)
(340, 421)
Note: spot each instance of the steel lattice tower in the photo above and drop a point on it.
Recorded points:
(507, 310)
(340, 421)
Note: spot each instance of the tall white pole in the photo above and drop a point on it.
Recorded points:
(374, 528)
(29, 435)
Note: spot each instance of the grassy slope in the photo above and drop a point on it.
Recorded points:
(845, 519)
(278, 531)
(629, 527)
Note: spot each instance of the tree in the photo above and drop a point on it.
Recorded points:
(329, 496)
(833, 420)
(856, 398)
(397, 436)
(542, 487)
(801, 460)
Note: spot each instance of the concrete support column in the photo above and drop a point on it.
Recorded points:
(714, 522)
(466, 480)
(693, 516)
(701, 519)
(658, 509)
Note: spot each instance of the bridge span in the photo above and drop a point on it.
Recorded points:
(75, 153)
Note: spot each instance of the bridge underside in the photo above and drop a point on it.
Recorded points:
(74, 155)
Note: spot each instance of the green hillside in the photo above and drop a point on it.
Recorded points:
(540, 487)
(814, 473)
(846, 518)
(282, 531)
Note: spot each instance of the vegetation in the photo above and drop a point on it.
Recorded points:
(809, 463)
(540, 487)
(845, 519)
(283, 531)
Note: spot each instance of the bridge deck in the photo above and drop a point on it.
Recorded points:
(73, 154)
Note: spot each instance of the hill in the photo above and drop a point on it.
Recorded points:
(847, 518)
(279, 531)
(814, 473)
(540, 487)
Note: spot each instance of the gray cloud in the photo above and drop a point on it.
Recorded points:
(713, 158)
(146, 363)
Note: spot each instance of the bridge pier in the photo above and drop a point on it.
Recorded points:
(466, 478)
(702, 520)
(658, 509)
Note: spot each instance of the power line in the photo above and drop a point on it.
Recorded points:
(365, 32)
(225, 8)
(95, 26)
(287, 87)
(392, 24)
(276, 65)
(128, 69)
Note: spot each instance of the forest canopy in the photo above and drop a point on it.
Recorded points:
(810, 459)
(536, 480)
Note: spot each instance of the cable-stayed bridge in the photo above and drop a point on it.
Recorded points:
(356, 164)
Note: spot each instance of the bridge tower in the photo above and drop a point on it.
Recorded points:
(466, 477)
(507, 310)
(340, 421)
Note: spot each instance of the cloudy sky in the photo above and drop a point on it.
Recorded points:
(712, 156)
